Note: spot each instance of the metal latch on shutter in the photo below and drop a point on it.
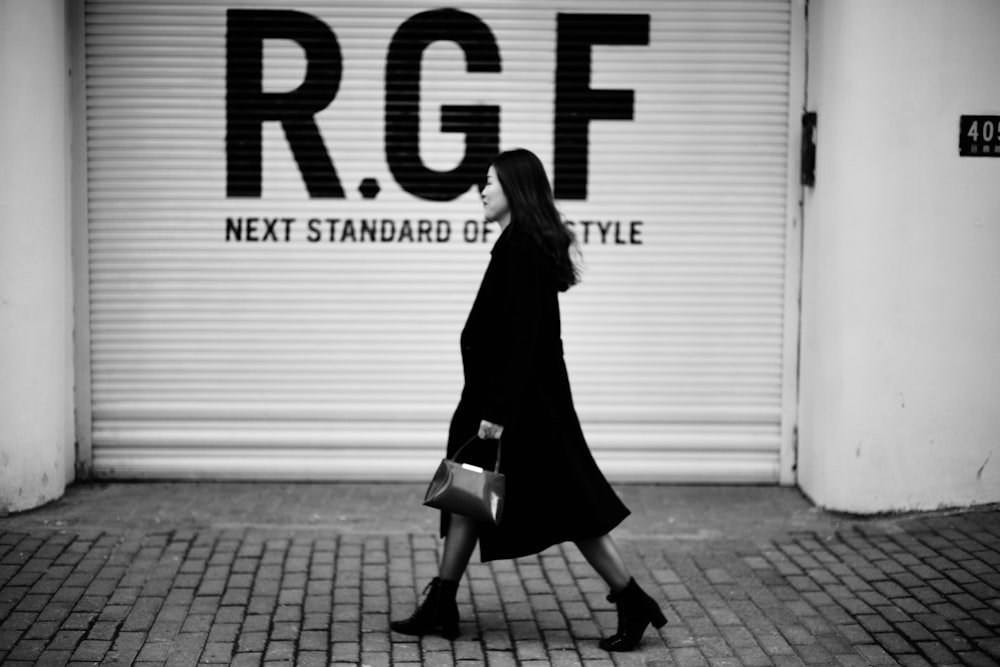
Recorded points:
(808, 162)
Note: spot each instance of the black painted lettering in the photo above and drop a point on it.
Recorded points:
(443, 231)
(388, 230)
(248, 106)
(369, 228)
(252, 229)
(313, 226)
(635, 230)
(234, 229)
(618, 234)
(405, 231)
(480, 124)
(604, 228)
(471, 231)
(424, 229)
(348, 231)
(576, 102)
(270, 233)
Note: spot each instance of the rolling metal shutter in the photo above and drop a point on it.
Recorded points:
(227, 342)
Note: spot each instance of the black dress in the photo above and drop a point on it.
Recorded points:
(515, 376)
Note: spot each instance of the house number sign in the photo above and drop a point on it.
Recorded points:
(979, 136)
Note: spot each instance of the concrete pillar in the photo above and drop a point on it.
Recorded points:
(900, 364)
(36, 306)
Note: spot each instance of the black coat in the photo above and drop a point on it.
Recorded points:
(515, 376)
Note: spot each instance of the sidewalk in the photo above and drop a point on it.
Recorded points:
(310, 574)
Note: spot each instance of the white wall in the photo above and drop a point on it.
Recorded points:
(36, 362)
(900, 374)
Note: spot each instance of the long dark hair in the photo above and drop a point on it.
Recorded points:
(533, 209)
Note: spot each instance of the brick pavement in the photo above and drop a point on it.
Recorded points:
(286, 574)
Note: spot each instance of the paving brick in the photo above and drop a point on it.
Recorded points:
(217, 652)
(974, 629)
(752, 656)
(27, 650)
(41, 630)
(912, 660)
(18, 621)
(311, 659)
(349, 652)
(937, 652)
(91, 650)
(154, 652)
(103, 630)
(53, 658)
(774, 644)
(125, 648)
(247, 660)
(874, 654)
(976, 659)
(835, 644)
(186, 649)
(251, 641)
(873, 623)
(223, 632)
(164, 630)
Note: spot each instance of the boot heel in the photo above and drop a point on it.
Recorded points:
(657, 618)
(450, 630)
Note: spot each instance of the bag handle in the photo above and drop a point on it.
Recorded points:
(496, 468)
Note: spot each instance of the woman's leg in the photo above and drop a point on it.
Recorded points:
(603, 556)
(459, 544)
(439, 611)
(636, 610)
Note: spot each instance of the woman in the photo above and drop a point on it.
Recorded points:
(516, 386)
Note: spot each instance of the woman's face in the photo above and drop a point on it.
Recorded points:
(495, 205)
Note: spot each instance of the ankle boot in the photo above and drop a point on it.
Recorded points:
(636, 610)
(438, 610)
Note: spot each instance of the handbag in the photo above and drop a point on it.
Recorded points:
(462, 488)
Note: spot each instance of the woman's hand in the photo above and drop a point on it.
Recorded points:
(489, 430)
